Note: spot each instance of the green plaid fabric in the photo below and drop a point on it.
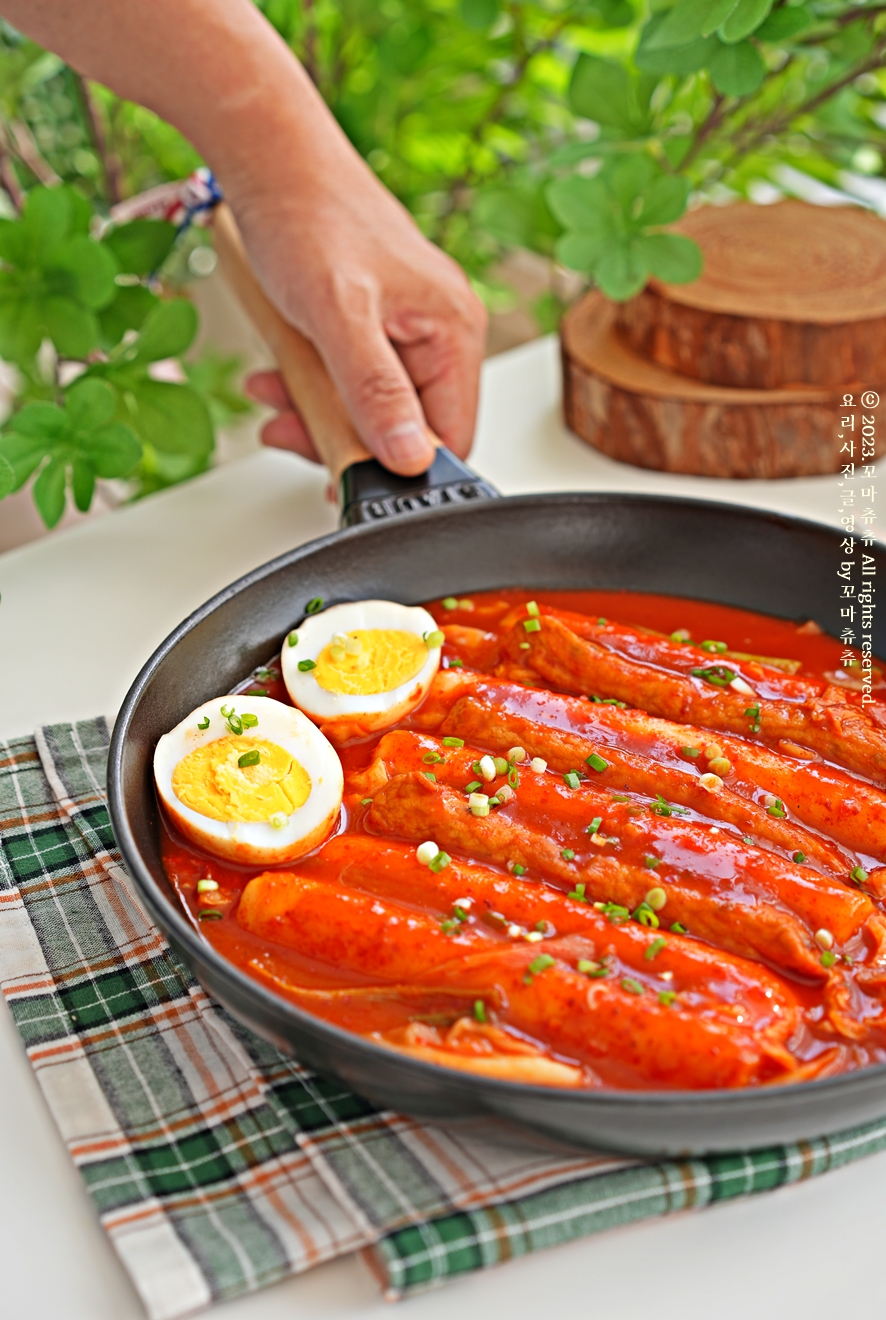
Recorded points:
(215, 1164)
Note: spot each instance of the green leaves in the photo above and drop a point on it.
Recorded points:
(609, 220)
(141, 246)
(692, 18)
(79, 440)
(167, 331)
(55, 277)
(736, 70)
(745, 18)
(609, 95)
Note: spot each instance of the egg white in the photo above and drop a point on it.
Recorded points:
(255, 842)
(365, 712)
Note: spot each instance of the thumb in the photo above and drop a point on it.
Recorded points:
(379, 396)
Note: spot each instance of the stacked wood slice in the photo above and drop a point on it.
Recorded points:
(743, 372)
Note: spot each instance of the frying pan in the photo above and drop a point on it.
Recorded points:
(412, 540)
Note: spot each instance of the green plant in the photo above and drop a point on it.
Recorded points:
(82, 325)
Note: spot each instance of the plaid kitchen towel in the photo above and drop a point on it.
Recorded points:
(217, 1165)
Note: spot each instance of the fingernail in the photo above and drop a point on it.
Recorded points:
(406, 444)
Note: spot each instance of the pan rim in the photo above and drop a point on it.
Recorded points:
(203, 952)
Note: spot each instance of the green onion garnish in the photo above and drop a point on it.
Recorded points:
(716, 647)
(305, 666)
(314, 606)
(460, 913)
(719, 675)
(429, 774)
(597, 763)
(292, 639)
(645, 915)
(860, 875)
(209, 914)
(532, 609)
(517, 869)
(450, 603)
(655, 947)
(501, 765)
(365, 802)
(828, 958)
(595, 824)
(257, 692)
(524, 646)
(479, 1007)
(204, 723)
(455, 664)
(571, 780)
(567, 854)
(449, 925)
(473, 785)
(589, 968)
(633, 987)
(453, 742)
(532, 625)
(578, 893)
(249, 758)
(691, 751)
(652, 862)
(439, 862)
(249, 720)
(678, 928)
(432, 758)
(514, 777)
(539, 964)
(799, 857)
(667, 997)
(777, 809)
(435, 638)
(614, 912)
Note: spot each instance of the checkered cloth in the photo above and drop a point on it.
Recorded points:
(215, 1164)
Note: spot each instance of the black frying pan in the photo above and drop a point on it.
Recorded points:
(445, 533)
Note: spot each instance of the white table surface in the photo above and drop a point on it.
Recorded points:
(80, 613)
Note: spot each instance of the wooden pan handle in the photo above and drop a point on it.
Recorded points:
(307, 380)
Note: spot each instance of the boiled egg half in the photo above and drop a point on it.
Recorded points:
(250, 780)
(361, 667)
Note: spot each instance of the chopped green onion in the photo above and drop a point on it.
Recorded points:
(209, 914)
(567, 854)
(433, 758)
(532, 625)
(645, 915)
(365, 802)
(279, 820)
(514, 777)
(667, 997)
(466, 604)
(306, 665)
(257, 692)
(517, 869)
(204, 723)
(614, 912)
(314, 606)
(597, 763)
(266, 675)
(656, 898)
(429, 774)
(619, 797)
(718, 675)
(591, 968)
(249, 720)
(501, 765)
(450, 603)
(206, 886)
(746, 838)
(449, 925)
(602, 622)
(578, 893)
(434, 639)
(292, 639)
(524, 646)
(532, 608)
(539, 964)
(571, 780)
(633, 987)
(799, 857)
(678, 928)
(249, 758)
(595, 825)
(714, 646)
(691, 751)
(777, 809)
(828, 959)
(652, 862)
(479, 1011)
(460, 913)
(655, 947)
(473, 785)
(439, 862)
(455, 663)
(681, 635)
(860, 875)
(453, 742)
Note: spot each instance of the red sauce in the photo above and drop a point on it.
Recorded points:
(678, 840)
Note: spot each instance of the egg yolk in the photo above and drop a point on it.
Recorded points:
(386, 659)
(211, 781)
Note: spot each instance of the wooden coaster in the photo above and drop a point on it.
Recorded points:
(639, 412)
(790, 294)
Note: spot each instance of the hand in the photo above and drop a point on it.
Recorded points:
(395, 320)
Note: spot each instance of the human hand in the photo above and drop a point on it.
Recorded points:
(394, 319)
